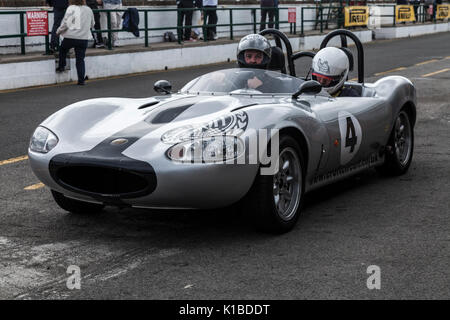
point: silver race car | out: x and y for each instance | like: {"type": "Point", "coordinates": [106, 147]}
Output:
{"type": "Point", "coordinates": [216, 142]}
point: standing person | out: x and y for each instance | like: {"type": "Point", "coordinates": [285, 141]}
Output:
{"type": "Point", "coordinates": [211, 15]}
{"type": "Point", "coordinates": [116, 17]}
{"type": "Point", "coordinates": [93, 4]}
{"type": "Point", "coordinates": [264, 12]}
{"type": "Point", "coordinates": [59, 9]}
{"type": "Point", "coordinates": [76, 30]}
{"type": "Point", "coordinates": [185, 15]}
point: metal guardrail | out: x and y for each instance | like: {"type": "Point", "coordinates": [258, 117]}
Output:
{"type": "Point", "coordinates": [319, 21]}
{"type": "Point", "coordinates": [22, 35]}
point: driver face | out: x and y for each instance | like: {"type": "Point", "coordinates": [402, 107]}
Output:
{"type": "Point", "coordinates": [322, 79]}
{"type": "Point", "coordinates": [253, 56]}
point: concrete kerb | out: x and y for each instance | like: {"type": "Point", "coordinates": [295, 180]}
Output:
{"type": "Point", "coordinates": [37, 70]}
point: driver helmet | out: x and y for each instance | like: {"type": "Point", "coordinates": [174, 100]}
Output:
{"type": "Point", "coordinates": [254, 42]}
{"type": "Point", "coordinates": [330, 68]}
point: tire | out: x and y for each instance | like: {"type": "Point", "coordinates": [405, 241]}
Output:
{"type": "Point", "coordinates": [399, 151]}
{"type": "Point", "coordinates": [269, 194]}
{"type": "Point", "coordinates": [76, 206]}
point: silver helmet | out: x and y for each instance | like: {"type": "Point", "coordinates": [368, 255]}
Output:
{"type": "Point", "coordinates": [330, 67]}
{"type": "Point", "coordinates": [254, 42]}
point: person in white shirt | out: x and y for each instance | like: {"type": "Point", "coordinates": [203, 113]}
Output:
{"type": "Point", "coordinates": [76, 30]}
{"type": "Point", "coordinates": [116, 17]}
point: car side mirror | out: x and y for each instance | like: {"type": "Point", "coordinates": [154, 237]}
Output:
{"type": "Point", "coordinates": [163, 86]}
{"type": "Point", "coordinates": [308, 87]}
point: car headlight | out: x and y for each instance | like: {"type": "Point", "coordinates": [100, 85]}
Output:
{"type": "Point", "coordinates": [206, 150]}
{"type": "Point", "coordinates": [43, 140]}
{"type": "Point", "coordinates": [233, 124]}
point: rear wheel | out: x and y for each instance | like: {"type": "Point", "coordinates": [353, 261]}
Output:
{"type": "Point", "coordinates": [76, 206]}
{"type": "Point", "coordinates": [274, 201]}
{"type": "Point", "coordinates": [400, 146]}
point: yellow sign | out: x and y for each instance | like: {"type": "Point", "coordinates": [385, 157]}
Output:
{"type": "Point", "coordinates": [356, 16]}
{"type": "Point", "coordinates": [404, 13]}
{"type": "Point", "coordinates": [442, 11]}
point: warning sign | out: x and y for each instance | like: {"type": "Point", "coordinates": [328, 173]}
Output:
{"type": "Point", "coordinates": [442, 11]}
{"type": "Point", "coordinates": [404, 13]}
{"type": "Point", "coordinates": [37, 23]}
{"type": "Point", "coordinates": [292, 15]}
{"type": "Point", "coordinates": [356, 16]}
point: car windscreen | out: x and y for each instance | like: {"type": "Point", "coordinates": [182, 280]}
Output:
{"type": "Point", "coordinates": [243, 81]}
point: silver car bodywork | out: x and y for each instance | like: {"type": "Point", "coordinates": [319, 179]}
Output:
{"type": "Point", "coordinates": [122, 135]}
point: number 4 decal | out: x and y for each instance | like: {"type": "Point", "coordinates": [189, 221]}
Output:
{"type": "Point", "coordinates": [350, 141]}
{"type": "Point", "coordinates": [351, 134]}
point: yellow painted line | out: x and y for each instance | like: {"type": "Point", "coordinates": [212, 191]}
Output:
{"type": "Point", "coordinates": [389, 71]}
{"type": "Point", "coordinates": [436, 72]}
{"type": "Point", "coordinates": [13, 160]}
{"type": "Point", "coordinates": [35, 186]}
{"type": "Point", "coordinates": [426, 62]}
{"type": "Point", "coordinates": [353, 79]}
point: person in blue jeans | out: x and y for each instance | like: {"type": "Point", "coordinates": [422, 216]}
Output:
{"type": "Point", "coordinates": [59, 9]}
{"type": "Point", "coordinates": [76, 30]}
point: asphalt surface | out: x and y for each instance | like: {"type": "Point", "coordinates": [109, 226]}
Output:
{"type": "Point", "coordinates": [401, 224]}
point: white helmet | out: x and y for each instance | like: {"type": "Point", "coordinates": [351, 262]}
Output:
{"type": "Point", "coordinates": [330, 67]}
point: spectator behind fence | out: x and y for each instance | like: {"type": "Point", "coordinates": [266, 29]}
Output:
{"type": "Point", "coordinates": [415, 4]}
{"type": "Point", "coordinates": [76, 30]}
{"type": "Point", "coordinates": [267, 12]}
{"type": "Point", "coordinates": [211, 15]}
{"type": "Point", "coordinates": [98, 39]}
{"type": "Point", "coordinates": [59, 9]}
{"type": "Point", "coordinates": [185, 15]}
{"type": "Point", "coordinates": [116, 18]}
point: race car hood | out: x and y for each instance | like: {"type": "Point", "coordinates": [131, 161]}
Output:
{"type": "Point", "coordinates": [83, 125]}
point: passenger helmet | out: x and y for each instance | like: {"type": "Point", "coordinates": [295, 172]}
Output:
{"type": "Point", "coordinates": [330, 67]}
{"type": "Point", "coordinates": [254, 42]}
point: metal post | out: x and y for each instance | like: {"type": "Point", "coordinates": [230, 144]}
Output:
{"type": "Point", "coordinates": [231, 24]}
{"type": "Point", "coordinates": [277, 18]}
{"type": "Point", "coordinates": [179, 25]}
{"type": "Point", "coordinates": [146, 28]}
{"type": "Point", "coordinates": [22, 31]}
{"type": "Point", "coordinates": [394, 16]}
{"type": "Point", "coordinates": [301, 27]}
{"type": "Point", "coordinates": [254, 20]}
{"type": "Point", "coordinates": [47, 45]}
{"type": "Point", "coordinates": [204, 28]}
{"type": "Point", "coordinates": [108, 20]}
{"type": "Point", "coordinates": [295, 27]}
{"type": "Point", "coordinates": [321, 19]}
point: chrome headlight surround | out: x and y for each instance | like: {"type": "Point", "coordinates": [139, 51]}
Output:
{"type": "Point", "coordinates": [43, 140]}
{"type": "Point", "coordinates": [232, 124]}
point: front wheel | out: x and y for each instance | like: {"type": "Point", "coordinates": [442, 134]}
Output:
{"type": "Point", "coordinates": [400, 147]}
{"type": "Point", "coordinates": [76, 206]}
{"type": "Point", "coordinates": [274, 201]}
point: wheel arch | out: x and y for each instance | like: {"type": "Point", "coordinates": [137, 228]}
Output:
{"type": "Point", "coordinates": [300, 138]}
{"type": "Point", "coordinates": [410, 108]}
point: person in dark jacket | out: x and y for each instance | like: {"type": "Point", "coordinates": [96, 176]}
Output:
{"type": "Point", "coordinates": [267, 12]}
{"type": "Point", "coordinates": [59, 9]}
{"type": "Point", "coordinates": [185, 15]}
{"type": "Point", "coordinates": [93, 4]}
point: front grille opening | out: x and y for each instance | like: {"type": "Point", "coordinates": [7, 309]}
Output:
{"type": "Point", "coordinates": [102, 180]}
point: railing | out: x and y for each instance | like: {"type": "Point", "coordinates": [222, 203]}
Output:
{"type": "Point", "coordinates": [255, 23]}
{"type": "Point", "coordinates": [319, 20]}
